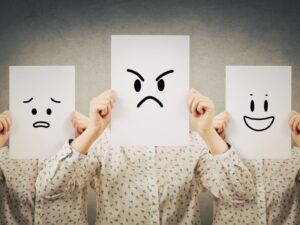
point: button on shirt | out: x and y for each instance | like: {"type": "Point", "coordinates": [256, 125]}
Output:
{"type": "Point", "coordinates": [20, 205]}
{"type": "Point", "coordinates": [276, 201]}
{"type": "Point", "coordinates": [148, 185]}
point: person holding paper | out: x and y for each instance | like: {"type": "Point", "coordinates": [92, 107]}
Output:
{"type": "Point", "coordinates": [148, 185]}
{"type": "Point", "coordinates": [20, 205]}
{"type": "Point", "coordinates": [276, 182]}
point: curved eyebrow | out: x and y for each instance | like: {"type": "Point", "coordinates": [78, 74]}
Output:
{"type": "Point", "coordinates": [135, 73]}
{"type": "Point", "coordinates": [164, 74]}
{"type": "Point", "coordinates": [56, 101]}
{"type": "Point", "coordinates": [29, 100]}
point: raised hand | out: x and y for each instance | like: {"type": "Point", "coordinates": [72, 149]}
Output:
{"type": "Point", "coordinates": [5, 125]}
{"type": "Point", "coordinates": [220, 123]}
{"type": "Point", "coordinates": [294, 123]}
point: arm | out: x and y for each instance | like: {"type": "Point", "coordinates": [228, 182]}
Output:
{"type": "Point", "coordinates": [67, 172]}
{"type": "Point", "coordinates": [5, 124]}
{"type": "Point", "coordinates": [294, 123]}
{"type": "Point", "coordinates": [71, 168]}
{"type": "Point", "coordinates": [221, 172]}
{"type": "Point", "coordinates": [225, 176]}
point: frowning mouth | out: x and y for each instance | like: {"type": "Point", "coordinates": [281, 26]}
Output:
{"type": "Point", "coordinates": [150, 97]}
{"type": "Point", "coordinates": [259, 124]}
{"type": "Point", "coordinates": [42, 124]}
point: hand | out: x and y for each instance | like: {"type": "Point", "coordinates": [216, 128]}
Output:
{"type": "Point", "coordinates": [220, 123]}
{"type": "Point", "coordinates": [100, 110]}
{"type": "Point", "coordinates": [201, 110]}
{"type": "Point", "coordinates": [5, 125]}
{"type": "Point", "coordinates": [80, 123]}
{"type": "Point", "coordinates": [100, 114]}
{"type": "Point", "coordinates": [294, 123]}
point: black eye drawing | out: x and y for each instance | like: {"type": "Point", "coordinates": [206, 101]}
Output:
{"type": "Point", "coordinates": [161, 85]}
{"type": "Point", "coordinates": [49, 111]}
{"type": "Point", "coordinates": [266, 105]}
{"type": "Point", "coordinates": [34, 111]}
{"type": "Point", "coordinates": [252, 106]}
{"type": "Point", "coordinates": [137, 85]}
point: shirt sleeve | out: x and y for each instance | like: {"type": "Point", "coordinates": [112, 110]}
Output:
{"type": "Point", "coordinates": [225, 176]}
{"type": "Point", "coordinates": [67, 172]}
{"type": "Point", "coordinates": [296, 156]}
{"type": "Point", "coordinates": [3, 158]}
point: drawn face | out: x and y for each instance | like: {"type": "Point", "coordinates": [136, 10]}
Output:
{"type": "Point", "coordinates": [42, 99]}
{"type": "Point", "coordinates": [34, 112]}
{"type": "Point", "coordinates": [160, 86]}
{"type": "Point", "coordinates": [259, 123]}
{"type": "Point", "coordinates": [150, 77]}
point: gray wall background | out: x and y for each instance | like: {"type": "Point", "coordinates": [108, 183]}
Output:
{"type": "Point", "coordinates": [39, 32]}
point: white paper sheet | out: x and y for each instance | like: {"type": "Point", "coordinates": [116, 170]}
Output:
{"type": "Point", "coordinates": [42, 99]}
{"type": "Point", "coordinates": [136, 65]}
{"type": "Point", "coordinates": [258, 99]}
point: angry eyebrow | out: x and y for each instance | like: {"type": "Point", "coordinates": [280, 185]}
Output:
{"type": "Point", "coordinates": [56, 101]}
{"type": "Point", "coordinates": [136, 73]}
{"type": "Point", "coordinates": [27, 101]}
{"type": "Point", "coordinates": [164, 74]}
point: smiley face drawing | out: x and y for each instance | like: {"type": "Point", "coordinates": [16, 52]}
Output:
{"type": "Point", "coordinates": [160, 86]}
{"type": "Point", "coordinates": [41, 124]}
{"type": "Point", "coordinates": [261, 123]}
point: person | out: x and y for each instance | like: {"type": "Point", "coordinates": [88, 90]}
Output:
{"type": "Point", "coordinates": [276, 182]}
{"type": "Point", "coordinates": [148, 185]}
{"type": "Point", "coordinates": [20, 204]}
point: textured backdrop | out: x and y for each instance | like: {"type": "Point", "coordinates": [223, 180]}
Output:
{"type": "Point", "coordinates": [39, 32]}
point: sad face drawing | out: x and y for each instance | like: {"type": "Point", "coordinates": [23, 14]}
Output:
{"type": "Point", "coordinates": [34, 112]}
{"type": "Point", "coordinates": [42, 99]}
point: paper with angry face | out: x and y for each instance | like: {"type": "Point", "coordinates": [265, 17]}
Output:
{"type": "Point", "coordinates": [150, 75]}
{"type": "Point", "coordinates": [42, 99]}
{"type": "Point", "coordinates": [258, 99]}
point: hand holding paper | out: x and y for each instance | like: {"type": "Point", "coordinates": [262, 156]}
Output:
{"type": "Point", "coordinates": [294, 123]}
{"type": "Point", "coordinates": [100, 110]}
{"type": "Point", "coordinates": [220, 123]}
{"type": "Point", "coordinates": [100, 115]}
{"type": "Point", "coordinates": [80, 123]}
{"type": "Point", "coordinates": [201, 110]}
{"type": "Point", "coordinates": [5, 124]}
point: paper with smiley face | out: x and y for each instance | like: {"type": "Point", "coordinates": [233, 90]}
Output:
{"type": "Point", "coordinates": [150, 74]}
{"type": "Point", "coordinates": [42, 99]}
{"type": "Point", "coordinates": [258, 99]}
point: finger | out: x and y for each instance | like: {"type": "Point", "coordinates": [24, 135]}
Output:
{"type": "Point", "coordinates": [203, 107]}
{"type": "Point", "coordinates": [194, 107]}
{"type": "Point", "coordinates": [295, 126]}
{"type": "Point", "coordinates": [291, 120]}
{"type": "Point", "coordinates": [8, 122]}
{"type": "Point", "coordinates": [189, 101]}
{"type": "Point", "coordinates": [4, 126]}
{"type": "Point", "coordinates": [1, 126]}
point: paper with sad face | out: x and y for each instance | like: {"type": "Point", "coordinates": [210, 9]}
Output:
{"type": "Point", "coordinates": [42, 99]}
{"type": "Point", "coordinates": [258, 99]}
{"type": "Point", "coordinates": [150, 75]}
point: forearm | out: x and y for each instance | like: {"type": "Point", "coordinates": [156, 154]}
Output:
{"type": "Point", "coordinates": [58, 173]}
{"type": "Point", "coordinates": [226, 177]}
{"type": "Point", "coordinates": [214, 142]}
{"type": "Point", "coordinates": [83, 142]}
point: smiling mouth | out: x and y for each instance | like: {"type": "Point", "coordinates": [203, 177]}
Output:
{"type": "Point", "coordinates": [259, 124]}
{"type": "Point", "coordinates": [43, 124]}
{"type": "Point", "coordinates": [150, 97]}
